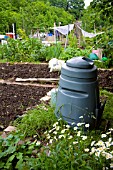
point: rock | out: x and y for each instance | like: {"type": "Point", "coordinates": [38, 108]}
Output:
{"type": "Point", "coordinates": [45, 98]}
{"type": "Point", "coordinates": [10, 129]}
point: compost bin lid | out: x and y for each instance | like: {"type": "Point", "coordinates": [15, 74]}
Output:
{"type": "Point", "coordinates": [80, 62]}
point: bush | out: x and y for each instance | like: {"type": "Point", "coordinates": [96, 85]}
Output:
{"type": "Point", "coordinates": [28, 50]}
{"type": "Point", "coordinates": [102, 64]}
{"type": "Point", "coordinates": [70, 52]}
{"type": "Point", "coordinates": [53, 51]}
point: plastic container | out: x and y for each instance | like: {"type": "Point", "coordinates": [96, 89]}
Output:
{"type": "Point", "coordinates": [78, 92]}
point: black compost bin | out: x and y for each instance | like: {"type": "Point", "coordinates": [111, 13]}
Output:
{"type": "Point", "coordinates": [78, 92]}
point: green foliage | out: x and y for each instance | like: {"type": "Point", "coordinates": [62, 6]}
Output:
{"type": "Point", "coordinates": [22, 33]}
{"type": "Point", "coordinates": [102, 64]}
{"type": "Point", "coordinates": [75, 7]}
{"type": "Point", "coordinates": [99, 15]}
{"type": "Point", "coordinates": [43, 16]}
{"type": "Point", "coordinates": [105, 41]}
{"type": "Point", "coordinates": [104, 7]}
{"type": "Point", "coordinates": [70, 52]}
{"type": "Point", "coordinates": [73, 149]}
{"type": "Point", "coordinates": [95, 24]}
{"type": "Point", "coordinates": [31, 14]}
{"type": "Point", "coordinates": [53, 51]}
{"type": "Point", "coordinates": [28, 50]}
{"type": "Point", "coordinates": [32, 50]}
{"type": "Point", "coordinates": [15, 152]}
{"type": "Point", "coordinates": [108, 109]}
{"type": "Point", "coordinates": [72, 40]}
{"type": "Point", "coordinates": [41, 117]}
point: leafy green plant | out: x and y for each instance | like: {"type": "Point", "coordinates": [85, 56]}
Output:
{"type": "Point", "coordinates": [102, 64]}
{"type": "Point", "coordinates": [53, 51]}
{"type": "Point", "coordinates": [108, 110]}
{"type": "Point", "coordinates": [15, 151]}
{"type": "Point", "coordinates": [62, 147]}
{"type": "Point", "coordinates": [35, 119]}
{"type": "Point", "coordinates": [72, 40]}
{"type": "Point", "coordinates": [73, 149]}
{"type": "Point", "coordinates": [70, 52]}
{"type": "Point", "coordinates": [3, 49]}
{"type": "Point", "coordinates": [28, 50]}
{"type": "Point", "coordinates": [105, 42]}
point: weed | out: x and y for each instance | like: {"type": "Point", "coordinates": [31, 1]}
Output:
{"type": "Point", "coordinates": [40, 117]}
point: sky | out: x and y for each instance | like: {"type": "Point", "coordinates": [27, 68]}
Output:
{"type": "Point", "coordinates": [87, 2]}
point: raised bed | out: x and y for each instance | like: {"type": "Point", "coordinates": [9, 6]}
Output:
{"type": "Point", "coordinates": [17, 97]}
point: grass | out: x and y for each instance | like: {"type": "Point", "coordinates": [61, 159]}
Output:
{"type": "Point", "coordinates": [3, 60]}
{"type": "Point", "coordinates": [42, 117]}
{"type": "Point", "coordinates": [108, 110]}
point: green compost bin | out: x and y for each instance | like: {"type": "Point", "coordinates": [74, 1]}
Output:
{"type": "Point", "coordinates": [78, 92]}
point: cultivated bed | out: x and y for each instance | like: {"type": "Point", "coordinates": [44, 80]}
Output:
{"type": "Point", "coordinates": [15, 97]}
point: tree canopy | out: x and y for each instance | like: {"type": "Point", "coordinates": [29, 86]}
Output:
{"type": "Point", "coordinates": [98, 15]}
{"type": "Point", "coordinates": [31, 14]}
{"type": "Point", "coordinates": [75, 7]}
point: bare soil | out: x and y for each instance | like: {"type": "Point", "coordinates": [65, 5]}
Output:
{"type": "Point", "coordinates": [105, 78]}
{"type": "Point", "coordinates": [16, 98]}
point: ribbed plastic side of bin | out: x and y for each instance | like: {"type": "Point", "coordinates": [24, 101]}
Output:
{"type": "Point", "coordinates": [78, 92]}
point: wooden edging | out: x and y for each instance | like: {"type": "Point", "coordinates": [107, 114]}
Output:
{"type": "Point", "coordinates": [37, 80]}
{"type": "Point", "coordinates": [26, 84]}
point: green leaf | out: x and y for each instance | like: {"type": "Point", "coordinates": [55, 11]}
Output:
{"type": "Point", "coordinates": [19, 164]}
{"type": "Point", "coordinates": [11, 158]}
{"type": "Point", "coordinates": [19, 155]}
{"type": "Point", "coordinates": [2, 165]}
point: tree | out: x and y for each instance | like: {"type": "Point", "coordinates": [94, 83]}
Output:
{"type": "Point", "coordinates": [75, 7]}
{"type": "Point", "coordinates": [30, 14]}
{"type": "Point", "coordinates": [105, 9]}
{"type": "Point", "coordinates": [99, 13]}
{"type": "Point", "coordinates": [42, 16]}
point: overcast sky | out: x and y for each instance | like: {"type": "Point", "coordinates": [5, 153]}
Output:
{"type": "Point", "coordinates": [87, 2]}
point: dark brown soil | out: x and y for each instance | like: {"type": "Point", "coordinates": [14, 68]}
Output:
{"type": "Point", "coordinates": [105, 78]}
{"type": "Point", "coordinates": [15, 99]}
{"type": "Point", "coordinates": [12, 71]}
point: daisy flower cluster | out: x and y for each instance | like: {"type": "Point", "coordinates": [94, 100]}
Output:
{"type": "Point", "coordinates": [77, 139]}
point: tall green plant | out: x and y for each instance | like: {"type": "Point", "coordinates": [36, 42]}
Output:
{"type": "Point", "coordinates": [54, 51]}
{"type": "Point", "coordinates": [27, 50]}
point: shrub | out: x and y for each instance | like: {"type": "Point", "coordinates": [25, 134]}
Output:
{"type": "Point", "coordinates": [102, 64]}
{"type": "Point", "coordinates": [28, 50]}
